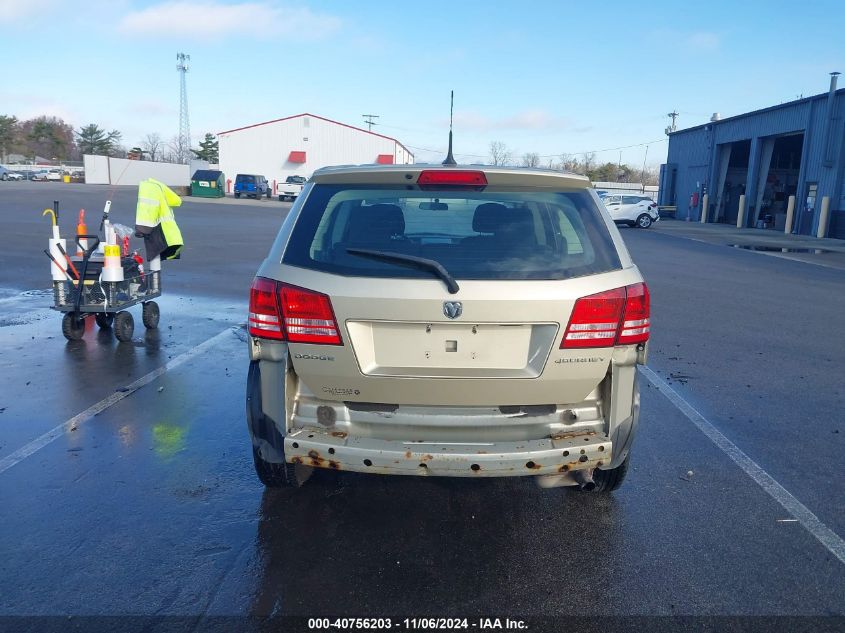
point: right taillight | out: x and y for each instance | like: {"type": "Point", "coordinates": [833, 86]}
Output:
{"type": "Point", "coordinates": [618, 316]}
{"type": "Point", "coordinates": [289, 313]}
{"type": "Point", "coordinates": [635, 320]}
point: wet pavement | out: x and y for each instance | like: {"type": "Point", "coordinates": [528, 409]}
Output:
{"type": "Point", "coordinates": [146, 504]}
{"type": "Point", "coordinates": [828, 252]}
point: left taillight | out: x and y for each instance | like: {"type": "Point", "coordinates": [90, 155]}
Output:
{"type": "Point", "coordinates": [265, 319]}
{"type": "Point", "coordinates": [288, 313]}
{"type": "Point", "coordinates": [308, 316]}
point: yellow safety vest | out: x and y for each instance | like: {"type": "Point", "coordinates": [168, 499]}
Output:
{"type": "Point", "coordinates": [154, 219]}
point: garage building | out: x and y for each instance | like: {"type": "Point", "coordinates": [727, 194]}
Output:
{"type": "Point", "coordinates": [300, 144]}
{"type": "Point", "coordinates": [796, 148]}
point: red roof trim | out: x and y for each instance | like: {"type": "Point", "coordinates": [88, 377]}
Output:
{"type": "Point", "coordinates": [322, 118]}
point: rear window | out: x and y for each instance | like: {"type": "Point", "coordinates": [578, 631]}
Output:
{"type": "Point", "coordinates": [245, 179]}
{"type": "Point", "coordinates": [489, 234]}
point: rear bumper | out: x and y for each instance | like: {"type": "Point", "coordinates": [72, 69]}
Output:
{"type": "Point", "coordinates": [336, 450]}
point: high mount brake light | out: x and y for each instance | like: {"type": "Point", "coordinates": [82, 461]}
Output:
{"type": "Point", "coordinates": [282, 312]}
{"type": "Point", "coordinates": [452, 178]}
{"type": "Point", "coordinates": [615, 317]}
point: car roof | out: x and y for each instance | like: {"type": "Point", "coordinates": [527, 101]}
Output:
{"type": "Point", "coordinates": [496, 176]}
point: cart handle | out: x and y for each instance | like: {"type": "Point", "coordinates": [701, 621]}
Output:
{"type": "Point", "coordinates": [88, 251]}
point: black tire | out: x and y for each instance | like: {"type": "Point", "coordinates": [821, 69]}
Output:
{"type": "Point", "coordinates": [237, 194]}
{"type": "Point", "coordinates": [644, 221]}
{"type": "Point", "coordinates": [104, 319]}
{"type": "Point", "coordinates": [610, 480]}
{"type": "Point", "coordinates": [71, 328]}
{"type": "Point", "coordinates": [150, 315]}
{"type": "Point", "coordinates": [124, 326]}
{"type": "Point", "coordinates": [273, 475]}
{"type": "Point", "coordinates": [281, 198]}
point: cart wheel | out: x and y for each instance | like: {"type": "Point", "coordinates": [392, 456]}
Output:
{"type": "Point", "coordinates": [124, 326]}
{"type": "Point", "coordinates": [150, 315]}
{"type": "Point", "coordinates": [104, 319]}
{"type": "Point", "coordinates": [71, 328]}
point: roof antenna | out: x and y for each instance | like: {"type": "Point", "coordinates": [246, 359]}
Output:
{"type": "Point", "coordinates": [450, 160]}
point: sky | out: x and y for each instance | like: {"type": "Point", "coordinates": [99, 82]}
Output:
{"type": "Point", "coordinates": [550, 77]}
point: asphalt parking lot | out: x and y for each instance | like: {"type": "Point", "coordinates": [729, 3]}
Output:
{"type": "Point", "coordinates": [127, 486]}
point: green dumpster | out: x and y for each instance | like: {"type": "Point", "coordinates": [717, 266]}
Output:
{"type": "Point", "coordinates": [208, 183]}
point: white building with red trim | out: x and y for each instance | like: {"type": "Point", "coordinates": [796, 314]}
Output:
{"type": "Point", "coordinates": [300, 144]}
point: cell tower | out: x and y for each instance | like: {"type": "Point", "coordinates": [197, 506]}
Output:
{"type": "Point", "coordinates": [184, 120]}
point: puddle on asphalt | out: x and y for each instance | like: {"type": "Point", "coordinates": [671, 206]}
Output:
{"type": "Point", "coordinates": [776, 249]}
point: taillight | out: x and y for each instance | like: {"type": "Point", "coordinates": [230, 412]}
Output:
{"type": "Point", "coordinates": [635, 320]}
{"type": "Point", "coordinates": [308, 316]}
{"type": "Point", "coordinates": [462, 178]}
{"type": "Point", "coordinates": [264, 316]}
{"type": "Point", "coordinates": [595, 320]}
{"type": "Point", "coordinates": [618, 316]}
{"type": "Point", "coordinates": [288, 313]}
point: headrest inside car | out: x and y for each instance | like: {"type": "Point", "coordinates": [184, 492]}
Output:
{"type": "Point", "coordinates": [492, 217]}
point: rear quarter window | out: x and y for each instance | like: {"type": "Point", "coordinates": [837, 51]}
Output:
{"type": "Point", "coordinates": [490, 234]}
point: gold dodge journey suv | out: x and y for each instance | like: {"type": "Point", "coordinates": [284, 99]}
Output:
{"type": "Point", "coordinates": [447, 321]}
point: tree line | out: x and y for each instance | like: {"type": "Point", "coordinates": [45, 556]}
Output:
{"type": "Point", "coordinates": [584, 164]}
{"type": "Point", "coordinates": [53, 139]}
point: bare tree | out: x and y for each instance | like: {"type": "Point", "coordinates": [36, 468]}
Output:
{"type": "Point", "coordinates": [531, 159]}
{"type": "Point", "coordinates": [499, 154]}
{"type": "Point", "coordinates": [153, 146]}
{"type": "Point", "coordinates": [650, 175]}
{"type": "Point", "coordinates": [589, 162]}
{"type": "Point", "coordinates": [569, 162]}
{"type": "Point", "coordinates": [179, 151]}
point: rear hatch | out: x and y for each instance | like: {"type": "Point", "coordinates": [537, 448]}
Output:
{"type": "Point", "coordinates": [448, 295]}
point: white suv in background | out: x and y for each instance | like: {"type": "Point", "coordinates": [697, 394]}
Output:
{"type": "Point", "coordinates": [633, 210]}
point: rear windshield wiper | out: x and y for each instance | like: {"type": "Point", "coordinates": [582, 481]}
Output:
{"type": "Point", "coordinates": [409, 260]}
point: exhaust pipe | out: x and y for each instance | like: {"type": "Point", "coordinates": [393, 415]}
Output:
{"type": "Point", "coordinates": [584, 479]}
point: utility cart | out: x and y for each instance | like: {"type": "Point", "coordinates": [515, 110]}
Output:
{"type": "Point", "coordinates": [108, 301]}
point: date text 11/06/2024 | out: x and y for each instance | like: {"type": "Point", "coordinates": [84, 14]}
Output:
{"type": "Point", "coordinates": [414, 624]}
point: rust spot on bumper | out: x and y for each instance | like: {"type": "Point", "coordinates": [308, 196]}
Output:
{"type": "Point", "coordinates": [317, 461]}
{"type": "Point", "coordinates": [341, 434]}
{"type": "Point", "coordinates": [569, 436]}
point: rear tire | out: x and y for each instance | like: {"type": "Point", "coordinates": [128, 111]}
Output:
{"type": "Point", "coordinates": [644, 221]}
{"type": "Point", "coordinates": [71, 328]}
{"type": "Point", "coordinates": [150, 315]}
{"type": "Point", "coordinates": [104, 319]}
{"type": "Point", "coordinates": [124, 326]}
{"type": "Point", "coordinates": [610, 480]}
{"type": "Point", "coordinates": [237, 194]}
{"type": "Point", "coordinates": [273, 475]}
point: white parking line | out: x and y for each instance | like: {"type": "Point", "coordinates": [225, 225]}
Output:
{"type": "Point", "coordinates": [827, 537]}
{"type": "Point", "coordinates": [71, 425]}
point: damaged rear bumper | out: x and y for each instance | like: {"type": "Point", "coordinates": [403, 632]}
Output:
{"type": "Point", "coordinates": [337, 450]}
